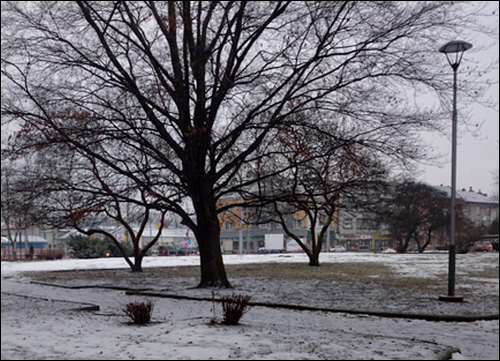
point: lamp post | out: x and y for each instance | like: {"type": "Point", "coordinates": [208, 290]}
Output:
{"type": "Point", "coordinates": [454, 51]}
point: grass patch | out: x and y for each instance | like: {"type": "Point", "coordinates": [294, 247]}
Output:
{"type": "Point", "coordinates": [355, 272]}
{"type": "Point", "coordinates": [351, 271]}
{"type": "Point", "coordinates": [490, 272]}
{"type": "Point", "coordinates": [99, 274]}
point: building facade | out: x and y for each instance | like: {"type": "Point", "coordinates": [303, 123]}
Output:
{"type": "Point", "coordinates": [240, 234]}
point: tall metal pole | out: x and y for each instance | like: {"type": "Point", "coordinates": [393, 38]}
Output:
{"type": "Point", "coordinates": [452, 250]}
{"type": "Point", "coordinates": [454, 51]}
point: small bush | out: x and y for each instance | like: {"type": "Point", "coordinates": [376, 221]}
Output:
{"type": "Point", "coordinates": [139, 312]}
{"type": "Point", "coordinates": [233, 308]}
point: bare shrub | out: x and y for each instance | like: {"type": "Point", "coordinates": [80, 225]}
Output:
{"type": "Point", "coordinates": [233, 308]}
{"type": "Point", "coordinates": [139, 312]}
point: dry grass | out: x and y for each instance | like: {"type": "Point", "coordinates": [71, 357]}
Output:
{"type": "Point", "coordinates": [356, 272]}
{"type": "Point", "coordinates": [341, 272]}
{"type": "Point", "coordinates": [491, 272]}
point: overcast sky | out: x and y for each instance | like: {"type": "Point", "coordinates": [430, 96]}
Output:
{"type": "Point", "coordinates": [477, 155]}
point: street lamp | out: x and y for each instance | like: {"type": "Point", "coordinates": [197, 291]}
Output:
{"type": "Point", "coordinates": [454, 51]}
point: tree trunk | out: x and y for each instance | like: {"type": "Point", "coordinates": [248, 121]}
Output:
{"type": "Point", "coordinates": [213, 273]}
{"type": "Point", "coordinates": [314, 260]}
{"type": "Point", "coordinates": [314, 254]}
{"type": "Point", "coordinates": [14, 254]}
{"type": "Point", "coordinates": [137, 266]}
{"type": "Point", "coordinates": [207, 232]}
{"type": "Point", "coordinates": [402, 246]}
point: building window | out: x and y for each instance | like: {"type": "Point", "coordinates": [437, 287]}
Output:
{"type": "Point", "coordinates": [348, 223]}
{"type": "Point", "coordinates": [298, 223]}
{"type": "Point", "coordinates": [228, 225]}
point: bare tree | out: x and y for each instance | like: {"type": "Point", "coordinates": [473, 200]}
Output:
{"type": "Point", "coordinates": [10, 213]}
{"type": "Point", "coordinates": [329, 168]}
{"type": "Point", "coordinates": [410, 208]}
{"type": "Point", "coordinates": [18, 205]}
{"type": "Point", "coordinates": [436, 215]}
{"type": "Point", "coordinates": [75, 191]}
{"type": "Point", "coordinates": [200, 88]}
{"type": "Point", "coordinates": [468, 233]}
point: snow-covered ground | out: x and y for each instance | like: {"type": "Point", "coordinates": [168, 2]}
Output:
{"type": "Point", "coordinates": [41, 321]}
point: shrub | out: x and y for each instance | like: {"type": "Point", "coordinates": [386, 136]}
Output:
{"type": "Point", "coordinates": [139, 312]}
{"type": "Point", "coordinates": [233, 308]}
{"type": "Point", "coordinates": [88, 247]}
{"type": "Point", "coordinates": [84, 247]}
{"type": "Point", "coordinates": [111, 249]}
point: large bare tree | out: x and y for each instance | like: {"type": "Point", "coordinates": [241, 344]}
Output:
{"type": "Point", "coordinates": [200, 88]}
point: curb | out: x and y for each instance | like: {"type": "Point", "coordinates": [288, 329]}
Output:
{"type": "Point", "coordinates": [415, 316]}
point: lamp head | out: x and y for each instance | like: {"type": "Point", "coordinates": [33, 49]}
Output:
{"type": "Point", "coordinates": [457, 47]}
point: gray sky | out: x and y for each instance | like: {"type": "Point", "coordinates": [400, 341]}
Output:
{"type": "Point", "coordinates": [477, 155]}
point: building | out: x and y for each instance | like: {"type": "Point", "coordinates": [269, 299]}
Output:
{"type": "Point", "coordinates": [353, 229]}
{"type": "Point", "coordinates": [478, 207]}
{"type": "Point", "coordinates": [240, 236]}
{"type": "Point", "coordinates": [357, 231]}
{"type": "Point", "coordinates": [22, 245]}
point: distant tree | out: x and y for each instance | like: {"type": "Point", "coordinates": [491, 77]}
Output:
{"type": "Point", "coordinates": [436, 215]}
{"type": "Point", "coordinates": [494, 228]}
{"type": "Point", "coordinates": [411, 207]}
{"type": "Point", "coordinates": [79, 194]}
{"type": "Point", "coordinates": [18, 211]}
{"type": "Point", "coordinates": [467, 233]}
{"type": "Point", "coordinates": [120, 212]}
{"type": "Point", "coordinates": [328, 169]}
{"type": "Point", "coordinates": [200, 89]}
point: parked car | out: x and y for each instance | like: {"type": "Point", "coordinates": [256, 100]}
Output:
{"type": "Point", "coordinates": [338, 249]}
{"type": "Point", "coordinates": [364, 248]}
{"type": "Point", "coordinates": [167, 251]}
{"type": "Point", "coordinates": [482, 246]}
{"type": "Point", "coordinates": [264, 250]}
